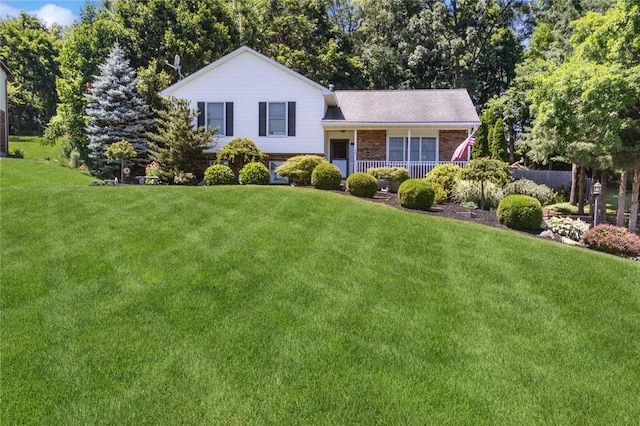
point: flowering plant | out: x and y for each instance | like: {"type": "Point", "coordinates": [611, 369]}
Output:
{"type": "Point", "coordinates": [613, 239]}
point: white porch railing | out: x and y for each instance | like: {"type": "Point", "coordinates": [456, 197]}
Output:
{"type": "Point", "coordinates": [417, 169]}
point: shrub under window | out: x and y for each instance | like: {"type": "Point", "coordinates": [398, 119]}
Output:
{"type": "Point", "coordinates": [299, 168]}
{"type": "Point", "coordinates": [326, 176]}
{"type": "Point", "coordinates": [362, 185]}
{"type": "Point", "coordinates": [254, 174]}
{"type": "Point", "coordinates": [219, 174]}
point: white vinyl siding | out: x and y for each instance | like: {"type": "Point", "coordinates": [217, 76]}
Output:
{"type": "Point", "coordinates": [247, 80]}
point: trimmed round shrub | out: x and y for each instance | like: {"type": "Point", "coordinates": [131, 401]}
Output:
{"type": "Point", "coordinates": [469, 191]}
{"type": "Point", "coordinates": [445, 175]}
{"type": "Point", "coordinates": [362, 185]}
{"type": "Point", "coordinates": [395, 174]}
{"type": "Point", "coordinates": [219, 174]}
{"type": "Point", "coordinates": [326, 176]}
{"type": "Point", "coordinates": [520, 212]}
{"type": "Point", "coordinates": [254, 174]}
{"type": "Point", "coordinates": [416, 194]}
{"type": "Point", "coordinates": [542, 193]}
{"type": "Point", "coordinates": [299, 168]}
{"type": "Point", "coordinates": [613, 239]}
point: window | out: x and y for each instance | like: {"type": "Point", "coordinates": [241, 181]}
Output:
{"type": "Point", "coordinates": [420, 149]}
{"type": "Point", "coordinates": [215, 116]}
{"type": "Point", "coordinates": [277, 118]}
{"type": "Point", "coordinates": [276, 178]}
{"type": "Point", "coordinates": [396, 149]}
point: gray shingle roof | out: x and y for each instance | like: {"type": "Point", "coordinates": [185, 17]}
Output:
{"type": "Point", "coordinates": [403, 106]}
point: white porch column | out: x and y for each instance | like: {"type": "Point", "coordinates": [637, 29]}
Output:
{"type": "Point", "coordinates": [409, 151]}
{"type": "Point", "coordinates": [355, 150]}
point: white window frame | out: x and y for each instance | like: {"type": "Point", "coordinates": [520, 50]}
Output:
{"type": "Point", "coordinates": [286, 120]}
{"type": "Point", "coordinates": [273, 176]}
{"type": "Point", "coordinates": [221, 130]}
{"type": "Point", "coordinates": [404, 141]}
{"type": "Point", "coordinates": [406, 148]}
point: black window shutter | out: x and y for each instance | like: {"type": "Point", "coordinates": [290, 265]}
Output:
{"type": "Point", "coordinates": [228, 119]}
{"type": "Point", "coordinates": [291, 112]}
{"type": "Point", "coordinates": [201, 115]}
{"type": "Point", "coordinates": [262, 119]}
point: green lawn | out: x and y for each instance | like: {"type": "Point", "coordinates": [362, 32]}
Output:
{"type": "Point", "coordinates": [33, 148]}
{"type": "Point", "coordinates": [279, 305]}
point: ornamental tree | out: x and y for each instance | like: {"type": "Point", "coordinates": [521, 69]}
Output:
{"type": "Point", "coordinates": [120, 151]}
{"type": "Point", "coordinates": [115, 112]}
{"type": "Point", "coordinates": [486, 170]}
{"type": "Point", "coordinates": [238, 153]}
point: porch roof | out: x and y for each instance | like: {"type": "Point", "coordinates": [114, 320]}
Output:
{"type": "Point", "coordinates": [401, 107]}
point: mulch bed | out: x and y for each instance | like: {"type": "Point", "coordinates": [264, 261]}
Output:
{"type": "Point", "coordinates": [453, 211]}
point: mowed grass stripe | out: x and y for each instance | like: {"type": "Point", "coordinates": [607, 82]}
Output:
{"type": "Point", "coordinates": [147, 305]}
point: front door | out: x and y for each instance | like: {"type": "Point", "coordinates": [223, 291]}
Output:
{"type": "Point", "coordinates": [340, 154]}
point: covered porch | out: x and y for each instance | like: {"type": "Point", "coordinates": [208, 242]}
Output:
{"type": "Point", "coordinates": [417, 169]}
{"type": "Point", "coordinates": [418, 150]}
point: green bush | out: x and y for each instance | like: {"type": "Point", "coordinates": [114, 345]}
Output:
{"type": "Point", "coordinates": [326, 176]}
{"type": "Point", "coordinates": [469, 191]}
{"type": "Point", "coordinates": [299, 168]}
{"type": "Point", "coordinates": [613, 239]}
{"type": "Point", "coordinates": [75, 159]}
{"type": "Point", "coordinates": [520, 212]}
{"type": "Point", "coordinates": [393, 174]}
{"type": "Point", "coordinates": [362, 185]}
{"type": "Point", "coordinates": [567, 227]}
{"type": "Point", "coordinates": [487, 170]}
{"type": "Point", "coordinates": [542, 193]}
{"type": "Point", "coordinates": [416, 194]}
{"type": "Point", "coordinates": [254, 174]}
{"type": "Point", "coordinates": [184, 178]}
{"type": "Point", "coordinates": [239, 152]}
{"type": "Point", "coordinates": [446, 176]}
{"type": "Point", "coordinates": [219, 174]}
{"type": "Point", "coordinates": [441, 194]}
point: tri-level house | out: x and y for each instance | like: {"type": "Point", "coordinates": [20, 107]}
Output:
{"type": "Point", "coordinates": [246, 94]}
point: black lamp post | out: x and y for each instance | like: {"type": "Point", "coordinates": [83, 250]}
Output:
{"type": "Point", "coordinates": [597, 189]}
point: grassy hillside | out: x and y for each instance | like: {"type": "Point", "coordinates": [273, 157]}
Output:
{"type": "Point", "coordinates": [254, 305]}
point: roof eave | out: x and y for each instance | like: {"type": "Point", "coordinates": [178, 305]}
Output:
{"type": "Point", "coordinates": [6, 70]}
{"type": "Point", "coordinates": [169, 90]}
{"type": "Point", "coordinates": [344, 123]}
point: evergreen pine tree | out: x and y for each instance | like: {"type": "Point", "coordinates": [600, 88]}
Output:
{"type": "Point", "coordinates": [176, 145]}
{"type": "Point", "coordinates": [116, 113]}
{"type": "Point", "coordinates": [481, 145]}
{"type": "Point", "coordinates": [498, 142]}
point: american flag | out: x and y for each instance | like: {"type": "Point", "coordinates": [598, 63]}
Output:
{"type": "Point", "coordinates": [462, 148]}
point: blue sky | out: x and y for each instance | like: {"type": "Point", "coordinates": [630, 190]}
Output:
{"type": "Point", "coordinates": [63, 12]}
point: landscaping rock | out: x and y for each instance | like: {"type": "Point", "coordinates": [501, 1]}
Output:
{"type": "Point", "coordinates": [548, 235]}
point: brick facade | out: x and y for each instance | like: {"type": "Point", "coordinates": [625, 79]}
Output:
{"type": "Point", "coordinates": [372, 145]}
{"type": "Point", "coordinates": [449, 141]}
{"type": "Point", "coordinates": [4, 149]}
